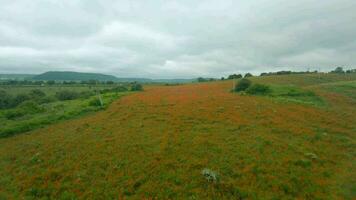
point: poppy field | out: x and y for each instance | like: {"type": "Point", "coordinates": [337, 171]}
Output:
{"type": "Point", "coordinates": [195, 141]}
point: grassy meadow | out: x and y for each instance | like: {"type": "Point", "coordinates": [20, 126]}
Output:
{"type": "Point", "coordinates": [194, 141]}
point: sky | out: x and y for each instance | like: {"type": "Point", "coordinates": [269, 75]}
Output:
{"type": "Point", "coordinates": [176, 39]}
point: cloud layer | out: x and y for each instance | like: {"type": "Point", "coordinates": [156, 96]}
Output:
{"type": "Point", "coordinates": [176, 39]}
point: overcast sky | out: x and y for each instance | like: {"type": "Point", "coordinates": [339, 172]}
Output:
{"type": "Point", "coordinates": [176, 39]}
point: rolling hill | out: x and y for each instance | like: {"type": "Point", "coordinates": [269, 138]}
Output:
{"type": "Point", "coordinates": [73, 76]}
{"type": "Point", "coordinates": [16, 76]}
{"type": "Point", "coordinates": [79, 76]}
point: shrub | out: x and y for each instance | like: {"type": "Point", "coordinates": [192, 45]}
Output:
{"type": "Point", "coordinates": [13, 114]}
{"type": "Point", "coordinates": [30, 107]}
{"type": "Point", "coordinates": [234, 76]}
{"type": "Point", "coordinates": [248, 75]}
{"type": "Point", "coordinates": [258, 89]}
{"type": "Point", "coordinates": [5, 100]}
{"type": "Point", "coordinates": [66, 95]}
{"type": "Point", "coordinates": [95, 102]}
{"type": "Point", "coordinates": [115, 89]}
{"type": "Point", "coordinates": [120, 89]}
{"type": "Point", "coordinates": [242, 85]}
{"type": "Point", "coordinates": [85, 94]}
{"type": "Point", "coordinates": [47, 99]}
{"type": "Point", "coordinates": [136, 87]}
{"type": "Point", "coordinates": [19, 99]}
{"type": "Point", "coordinates": [37, 93]}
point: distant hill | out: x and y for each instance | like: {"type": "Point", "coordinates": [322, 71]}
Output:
{"type": "Point", "coordinates": [16, 76]}
{"type": "Point", "coordinates": [79, 76]}
{"type": "Point", "coordinates": [73, 76]}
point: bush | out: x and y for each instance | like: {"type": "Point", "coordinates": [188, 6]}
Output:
{"type": "Point", "coordinates": [115, 89]}
{"type": "Point", "coordinates": [36, 93]}
{"type": "Point", "coordinates": [258, 89]}
{"type": "Point", "coordinates": [5, 100]}
{"type": "Point", "coordinates": [136, 87]}
{"type": "Point", "coordinates": [242, 85]}
{"type": "Point", "coordinates": [66, 95]}
{"type": "Point", "coordinates": [30, 107]}
{"type": "Point", "coordinates": [19, 99]}
{"type": "Point", "coordinates": [248, 75]}
{"type": "Point", "coordinates": [13, 114]}
{"type": "Point", "coordinates": [95, 102]}
{"type": "Point", "coordinates": [27, 107]}
{"type": "Point", "coordinates": [120, 89]}
{"type": "Point", "coordinates": [86, 94]}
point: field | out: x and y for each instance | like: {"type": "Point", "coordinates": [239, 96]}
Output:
{"type": "Point", "coordinates": [296, 143]}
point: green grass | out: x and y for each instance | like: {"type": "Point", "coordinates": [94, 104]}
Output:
{"type": "Point", "coordinates": [50, 90]}
{"type": "Point", "coordinates": [346, 88]}
{"type": "Point", "coordinates": [303, 79]}
{"type": "Point", "coordinates": [289, 93]}
{"type": "Point", "coordinates": [50, 113]}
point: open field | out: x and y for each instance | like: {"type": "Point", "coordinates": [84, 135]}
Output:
{"type": "Point", "coordinates": [155, 144]}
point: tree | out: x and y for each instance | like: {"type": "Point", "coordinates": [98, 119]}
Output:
{"type": "Point", "coordinates": [234, 76]}
{"type": "Point", "coordinates": [51, 82]}
{"type": "Point", "coordinates": [248, 75]}
{"type": "Point", "coordinates": [37, 93]}
{"type": "Point", "coordinates": [19, 99]}
{"type": "Point", "coordinates": [242, 85]}
{"type": "Point", "coordinates": [136, 87]}
{"type": "Point", "coordinates": [5, 100]}
{"type": "Point", "coordinates": [338, 70]}
{"type": "Point", "coordinates": [258, 89]}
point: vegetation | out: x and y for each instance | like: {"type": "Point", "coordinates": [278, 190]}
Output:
{"type": "Point", "coordinates": [258, 89]}
{"type": "Point", "coordinates": [73, 76]}
{"type": "Point", "coordinates": [242, 85]}
{"type": "Point", "coordinates": [234, 76]}
{"type": "Point", "coordinates": [136, 87]}
{"type": "Point", "coordinates": [192, 141]}
{"type": "Point", "coordinates": [25, 108]}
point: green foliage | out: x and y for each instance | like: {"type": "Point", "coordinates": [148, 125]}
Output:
{"type": "Point", "coordinates": [66, 95]}
{"type": "Point", "coordinates": [37, 93]}
{"type": "Point", "coordinates": [242, 85]}
{"type": "Point", "coordinates": [5, 100]}
{"type": "Point", "coordinates": [30, 115]}
{"type": "Point", "coordinates": [234, 76]}
{"type": "Point", "coordinates": [13, 114]}
{"type": "Point", "coordinates": [115, 89]}
{"type": "Point", "coordinates": [258, 89]}
{"type": "Point", "coordinates": [248, 75]}
{"type": "Point", "coordinates": [136, 87]}
{"type": "Point", "coordinates": [95, 102]}
{"type": "Point", "coordinates": [25, 108]}
{"type": "Point", "coordinates": [30, 107]}
{"type": "Point", "coordinates": [19, 99]}
{"type": "Point", "coordinates": [338, 70]}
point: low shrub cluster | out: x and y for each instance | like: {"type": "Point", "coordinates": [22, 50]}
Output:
{"type": "Point", "coordinates": [258, 89]}
{"type": "Point", "coordinates": [245, 85]}
{"type": "Point", "coordinates": [242, 85]}
{"type": "Point", "coordinates": [12, 101]}
{"type": "Point", "coordinates": [136, 87]}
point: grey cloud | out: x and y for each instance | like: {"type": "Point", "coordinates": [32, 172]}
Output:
{"type": "Point", "coordinates": [176, 39]}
